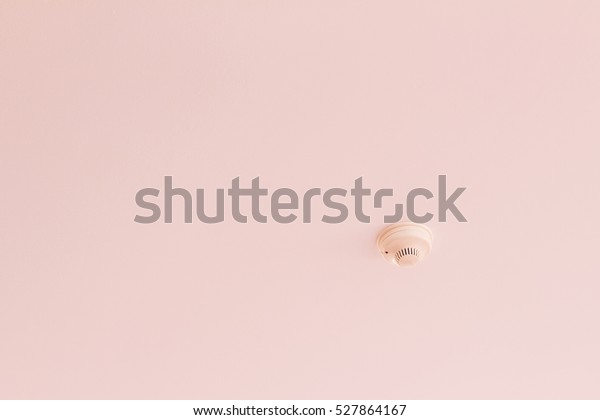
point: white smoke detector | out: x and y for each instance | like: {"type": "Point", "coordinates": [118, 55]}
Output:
{"type": "Point", "coordinates": [405, 243]}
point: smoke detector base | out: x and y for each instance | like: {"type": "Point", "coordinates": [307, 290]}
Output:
{"type": "Point", "coordinates": [405, 243]}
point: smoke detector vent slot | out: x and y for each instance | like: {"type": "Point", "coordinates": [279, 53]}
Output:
{"type": "Point", "coordinates": [406, 251]}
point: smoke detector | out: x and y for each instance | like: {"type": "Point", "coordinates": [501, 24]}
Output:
{"type": "Point", "coordinates": [404, 243]}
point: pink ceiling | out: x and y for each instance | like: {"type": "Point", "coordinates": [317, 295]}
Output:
{"type": "Point", "coordinates": [102, 99]}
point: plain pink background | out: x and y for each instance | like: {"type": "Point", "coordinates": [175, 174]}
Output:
{"type": "Point", "coordinates": [100, 99]}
